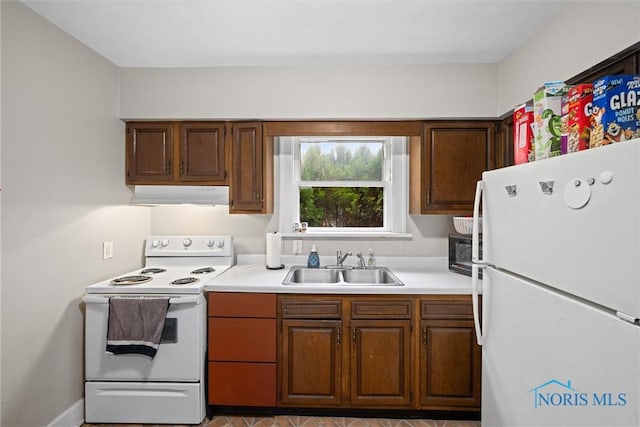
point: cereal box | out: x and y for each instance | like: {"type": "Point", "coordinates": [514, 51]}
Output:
{"type": "Point", "coordinates": [564, 123]}
{"type": "Point", "coordinates": [579, 106]}
{"type": "Point", "coordinates": [522, 133]}
{"type": "Point", "coordinates": [615, 115]}
{"type": "Point", "coordinates": [547, 104]}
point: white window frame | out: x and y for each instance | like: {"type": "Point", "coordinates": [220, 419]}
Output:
{"type": "Point", "coordinates": [395, 184]}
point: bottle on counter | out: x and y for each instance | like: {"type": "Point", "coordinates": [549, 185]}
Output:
{"type": "Point", "coordinates": [372, 259]}
{"type": "Point", "coordinates": [314, 260]}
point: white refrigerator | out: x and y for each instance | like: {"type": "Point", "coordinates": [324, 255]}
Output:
{"type": "Point", "coordinates": [558, 322]}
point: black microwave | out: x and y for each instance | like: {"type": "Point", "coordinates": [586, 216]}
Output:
{"type": "Point", "coordinates": [460, 254]}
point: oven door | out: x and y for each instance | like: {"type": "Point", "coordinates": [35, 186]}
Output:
{"type": "Point", "coordinates": [180, 356]}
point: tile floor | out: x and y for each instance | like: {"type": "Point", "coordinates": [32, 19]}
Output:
{"type": "Point", "coordinates": [301, 421]}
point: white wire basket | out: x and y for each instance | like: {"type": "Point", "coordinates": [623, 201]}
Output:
{"type": "Point", "coordinates": [464, 224]}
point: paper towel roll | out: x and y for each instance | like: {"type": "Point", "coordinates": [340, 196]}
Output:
{"type": "Point", "coordinates": [274, 249]}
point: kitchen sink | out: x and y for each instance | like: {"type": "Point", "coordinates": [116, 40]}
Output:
{"type": "Point", "coordinates": [378, 276]}
{"type": "Point", "coordinates": [312, 275]}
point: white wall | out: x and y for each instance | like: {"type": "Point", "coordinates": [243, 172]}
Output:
{"type": "Point", "coordinates": [63, 194]}
{"type": "Point", "coordinates": [325, 92]}
{"type": "Point", "coordinates": [580, 35]}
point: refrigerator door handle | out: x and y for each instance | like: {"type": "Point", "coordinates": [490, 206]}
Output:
{"type": "Point", "coordinates": [475, 303]}
{"type": "Point", "coordinates": [475, 232]}
{"type": "Point", "coordinates": [476, 263]}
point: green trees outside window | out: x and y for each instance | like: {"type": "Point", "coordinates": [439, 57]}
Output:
{"type": "Point", "coordinates": [329, 194]}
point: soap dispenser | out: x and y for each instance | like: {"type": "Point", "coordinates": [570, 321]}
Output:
{"type": "Point", "coordinates": [314, 260]}
{"type": "Point", "coordinates": [372, 259]}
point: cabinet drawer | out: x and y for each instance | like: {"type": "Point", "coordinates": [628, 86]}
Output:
{"type": "Point", "coordinates": [461, 309]}
{"type": "Point", "coordinates": [242, 384]}
{"type": "Point", "coordinates": [329, 309]}
{"type": "Point", "coordinates": [381, 309]}
{"type": "Point", "coordinates": [231, 304]}
{"type": "Point", "coordinates": [246, 340]}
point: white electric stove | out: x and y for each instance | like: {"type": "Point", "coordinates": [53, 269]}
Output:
{"type": "Point", "coordinates": [173, 265]}
{"type": "Point", "coordinates": [170, 387]}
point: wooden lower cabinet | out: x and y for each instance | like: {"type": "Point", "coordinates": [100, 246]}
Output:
{"type": "Point", "coordinates": [311, 363]}
{"type": "Point", "coordinates": [345, 351]}
{"type": "Point", "coordinates": [450, 358]}
{"type": "Point", "coordinates": [415, 352]}
{"type": "Point", "coordinates": [241, 349]}
{"type": "Point", "coordinates": [381, 363]}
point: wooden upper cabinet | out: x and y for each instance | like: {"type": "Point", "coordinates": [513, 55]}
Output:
{"type": "Point", "coordinates": [149, 148]}
{"type": "Point", "coordinates": [247, 169]}
{"type": "Point", "coordinates": [176, 153]}
{"type": "Point", "coordinates": [202, 152]}
{"type": "Point", "coordinates": [447, 163]}
{"type": "Point", "coordinates": [504, 143]}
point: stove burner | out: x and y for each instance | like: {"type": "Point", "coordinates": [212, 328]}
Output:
{"type": "Point", "coordinates": [203, 270]}
{"type": "Point", "coordinates": [130, 280]}
{"type": "Point", "coordinates": [185, 281]}
{"type": "Point", "coordinates": [153, 270]}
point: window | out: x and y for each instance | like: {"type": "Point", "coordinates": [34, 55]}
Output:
{"type": "Point", "coordinates": [343, 184]}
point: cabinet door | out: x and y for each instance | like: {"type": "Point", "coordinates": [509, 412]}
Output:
{"type": "Point", "coordinates": [202, 152]}
{"type": "Point", "coordinates": [242, 339]}
{"type": "Point", "coordinates": [454, 156]}
{"type": "Point", "coordinates": [242, 384]}
{"type": "Point", "coordinates": [450, 365]}
{"type": "Point", "coordinates": [149, 148]}
{"type": "Point", "coordinates": [247, 168]}
{"type": "Point", "coordinates": [310, 363]}
{"type": "Point", "coordinates": [381, 363]}
{"type": "Point", "coordinates": [504, 144]}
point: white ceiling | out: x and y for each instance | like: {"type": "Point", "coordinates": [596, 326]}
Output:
{"type": "Point", "coordinates": [199, 33]}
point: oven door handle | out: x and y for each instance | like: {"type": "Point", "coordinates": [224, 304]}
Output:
{"type": "Point", "coordinates": [104, 299]}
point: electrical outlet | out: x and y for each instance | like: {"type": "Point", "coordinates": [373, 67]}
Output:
{"type": "Point", "coordinates": [297, 247]}
{"type": "Point", "coordinates": [107, 250]}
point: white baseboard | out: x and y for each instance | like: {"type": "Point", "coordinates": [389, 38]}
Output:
{"type": "Point", "coordinates": [73, 416]}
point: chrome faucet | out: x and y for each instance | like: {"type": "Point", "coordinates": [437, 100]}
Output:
{"type": "Point", "coordinates": [340, 258]}
{"type": "Point", "coordinates": [361, 261]}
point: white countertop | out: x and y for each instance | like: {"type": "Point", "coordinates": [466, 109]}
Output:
{"type": "Point", "coordinates": [420, 275]}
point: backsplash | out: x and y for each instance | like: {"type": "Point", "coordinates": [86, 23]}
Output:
{"type": "Point", "coordinates": [430, 232]}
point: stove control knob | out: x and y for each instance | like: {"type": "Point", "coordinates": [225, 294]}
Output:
{"type": "Point", "coordinates": [219, 243]}
{"type": "Point", "coordinates": [186, 242]}
{"type": "Point", "coordinates": [155, 243]}
{"type": "Point", "coordinates": [211, 242]}
{"type": "Point", "coordinates": [165, 242]}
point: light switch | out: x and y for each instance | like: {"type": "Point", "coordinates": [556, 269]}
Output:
{"type": "Point", "coordinates": [107, 250]}
{"type": "Point", "coordinates": [297, 247]}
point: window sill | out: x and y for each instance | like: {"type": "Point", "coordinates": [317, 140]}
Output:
{"type": "Point", "coordinates": [342, 235]}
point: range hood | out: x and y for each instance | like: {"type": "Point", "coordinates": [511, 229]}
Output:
{"type": "Point", "coordinates": [153, 195]}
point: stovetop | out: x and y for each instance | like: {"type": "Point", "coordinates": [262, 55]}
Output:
{"type": "Point", "coordinates": [173, 265]}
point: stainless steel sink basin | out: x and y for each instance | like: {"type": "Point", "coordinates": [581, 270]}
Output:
{"type": "Point", "coordinates": [312, 275]}
{"type": "Point", "coordinates": [379, 276]}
